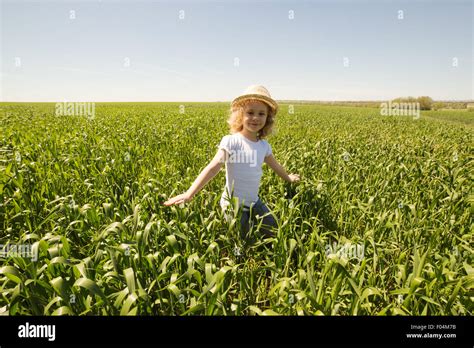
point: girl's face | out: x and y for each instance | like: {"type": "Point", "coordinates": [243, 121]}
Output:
{"type": "Point", "coordinates": [255, 116]}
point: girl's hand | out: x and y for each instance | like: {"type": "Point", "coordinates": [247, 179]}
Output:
{"type": "Point", "coordinates": [294, 177]}
{"type": "Point", "coordinates": [182, 198]}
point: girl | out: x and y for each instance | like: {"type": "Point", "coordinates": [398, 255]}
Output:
{"type": "Point", "coordinates": [244, 151]}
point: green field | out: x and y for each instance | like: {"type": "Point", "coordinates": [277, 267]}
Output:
{"type": "Point", "coordinates": [87, 194]}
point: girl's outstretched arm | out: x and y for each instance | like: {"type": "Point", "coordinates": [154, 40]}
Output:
{"type": "Point", "coordinates": [203, 178]}
{"type": "Point", "coordinates": [277, 168]}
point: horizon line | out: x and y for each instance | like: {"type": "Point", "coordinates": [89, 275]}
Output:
{"type": "Point", "coordinates": [284, 101]}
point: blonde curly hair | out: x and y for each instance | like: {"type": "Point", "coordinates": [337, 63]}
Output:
{"type": "Point", "coordinates": [236, 118]}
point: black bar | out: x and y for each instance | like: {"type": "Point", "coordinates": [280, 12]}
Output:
{"type": "Point", "coordinates": [240, 330]}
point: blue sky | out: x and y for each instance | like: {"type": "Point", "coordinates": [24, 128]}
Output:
{"type": "Point", "coordinates": [143, 51]}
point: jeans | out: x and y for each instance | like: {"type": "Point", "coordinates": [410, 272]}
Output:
{"type": "Point", "coordinates": [249, 219]}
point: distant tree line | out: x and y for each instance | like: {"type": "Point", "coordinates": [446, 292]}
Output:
{"type": "Point", "coordinates": [426, 103]}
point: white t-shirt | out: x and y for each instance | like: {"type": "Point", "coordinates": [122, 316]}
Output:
{"type": "Point", "coordinates": [243, 167]}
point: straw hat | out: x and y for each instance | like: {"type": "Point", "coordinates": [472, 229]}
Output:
{"type": "Point", "coordinates": [259, 93]}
